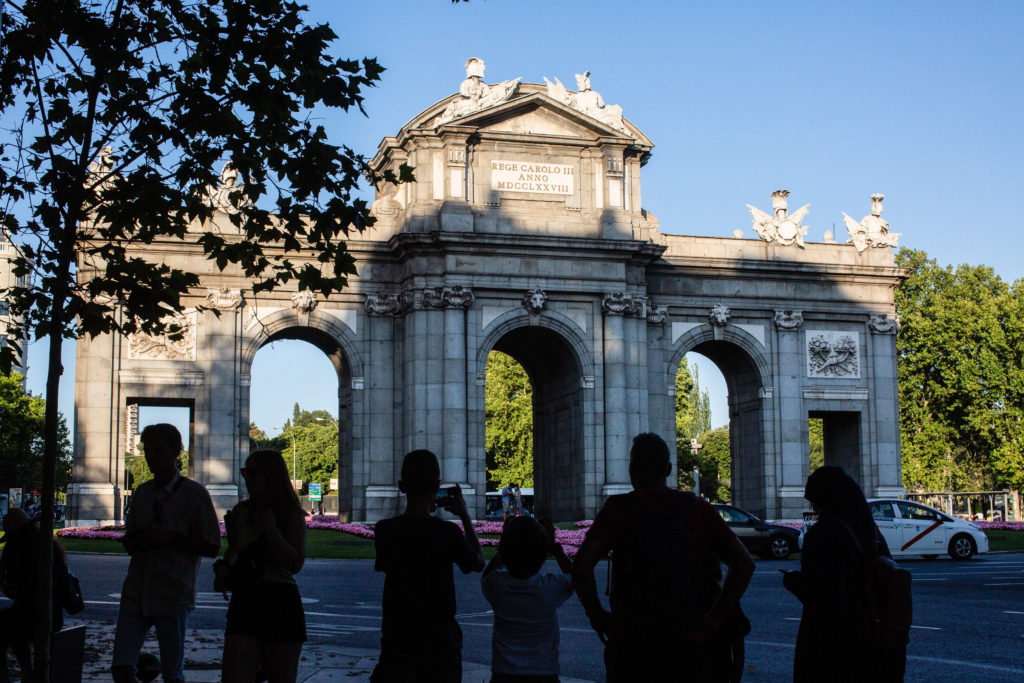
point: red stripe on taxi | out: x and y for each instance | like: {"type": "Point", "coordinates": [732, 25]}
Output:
{"type": "Point", "coordinates": [921, 535]}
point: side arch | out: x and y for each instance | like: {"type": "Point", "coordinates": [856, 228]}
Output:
{"type": "Point", "coordinates": [566, 328]}
{"type": "Point", "coordinates": [337, 342]}
{"type": "Point", "coordinates": [746, 367]}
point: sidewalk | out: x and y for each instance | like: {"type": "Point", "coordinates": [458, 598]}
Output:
{"type": "Point", "coordinates": [320, 661]}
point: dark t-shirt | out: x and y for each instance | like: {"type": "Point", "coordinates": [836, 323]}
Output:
{"type": "Point", "coordinates": [417, 554]}
{"type": "Point", "coordinates": [664, 527]}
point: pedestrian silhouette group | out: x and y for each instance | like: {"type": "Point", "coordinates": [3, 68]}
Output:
{"type": "Point", "coordinates": [672, 613]}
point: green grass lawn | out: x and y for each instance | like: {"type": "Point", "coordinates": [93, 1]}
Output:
{"type": "Point", "coordinates": [321, 543]}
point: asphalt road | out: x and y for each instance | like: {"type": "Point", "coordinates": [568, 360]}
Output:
{"type": "Point", "coordinates": [968, 616]}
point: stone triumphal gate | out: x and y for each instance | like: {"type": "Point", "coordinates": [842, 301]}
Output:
{"type": "Point", "coordinates": [524, 233]}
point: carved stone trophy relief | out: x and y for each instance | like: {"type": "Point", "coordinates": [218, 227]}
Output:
{"type": "Point", "coordinates": [833, 354]}
{"type": "Point", "coordinates": [143, 346]}
{"type": "Point", "coordinates": [475, 95]}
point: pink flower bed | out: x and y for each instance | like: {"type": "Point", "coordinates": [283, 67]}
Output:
{"type": "Point", "coordinates": [1004, 526]}
{"type": "Point", "coordinates": [569, 538]}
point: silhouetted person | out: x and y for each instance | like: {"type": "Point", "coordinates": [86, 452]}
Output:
{"type": "Point", "coordinates": [171, 524]}
{"type": "Point", "coordinates": [266, 625]}
{"type": "Point", "coordinates": [660, 540]}
{"type": "Point", "coordinates": [18, 580]}
{"type": "Point", "coordinates": [524, 643]}
{"type": "Point", "coordinates": [420, 639]}
{"type": "Point", "coordinates": [836, 640]}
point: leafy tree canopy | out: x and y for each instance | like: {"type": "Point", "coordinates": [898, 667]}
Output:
{"type": "Point", "coordinates": [693, 418]}
{"type": "Point", "coordinates": [315, 445]}
{"type": "Point", "coordinates": [21, 438]}
{"type": "Point", "coordinates": [961, 376]}
{"type": "Point", "coordinates": [508, 407]}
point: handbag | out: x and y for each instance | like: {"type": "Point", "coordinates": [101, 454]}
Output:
{"type": "Point", "coordinates": [73, 601]}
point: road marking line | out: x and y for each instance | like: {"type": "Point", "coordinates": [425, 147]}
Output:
{"type": "Point", "coordinates": [791, 618]}
{"type": "Point", "coordinates": [342, 616]}
{"type": "Point", "coordinates": [960, 662]}
{"type": "Point", "coordinates": [917, 579]}
{"type": "Point", "coordinates": [927, 628]}
{"type": "Point", "coordinates": [1019, 583]}
{"type": "Point", "coordinates": [1010, 611]}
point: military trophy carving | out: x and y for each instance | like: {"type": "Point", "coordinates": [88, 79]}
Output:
{"type": "Point", "coordinates": [789, 320]}
{"type": "Point", "coordinates": [475, 95]}
{"type": "Point", "coordinates": [873, 230]}
{"type": "Point", "coordinates": [782, 228]}
{"type": "Point", "coordinates": [587, 101]}
{"type": "Point", "coordinates": [229, 195]}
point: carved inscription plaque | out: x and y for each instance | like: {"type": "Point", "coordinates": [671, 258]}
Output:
{"type": "Point", "coordinates": [532, 176]}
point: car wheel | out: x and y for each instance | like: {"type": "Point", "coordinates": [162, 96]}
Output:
{"type": "Point", "coordinates": [780, 547]}
{"type": "Point", "coordinates": [962, 547]}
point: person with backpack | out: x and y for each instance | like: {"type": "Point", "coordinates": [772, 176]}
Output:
{"type": "Point", "coordinates": [839, 638]}
{"type": "Point", "coordinates": [18, 580]}
{"type": "Point", "coordinates": [660, 540]}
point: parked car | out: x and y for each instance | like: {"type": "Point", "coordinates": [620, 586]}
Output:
{"type": "Point", "coordinates": [772, 541]}
{"type": "Point", "coordinates": [915, 529]}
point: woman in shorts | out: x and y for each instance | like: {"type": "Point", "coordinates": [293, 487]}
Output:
{"type": "Point", "coordinates": [266, 626]}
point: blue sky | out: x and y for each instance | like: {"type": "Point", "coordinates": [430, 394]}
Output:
{"type": "Point", "coordinates": [833, 101]}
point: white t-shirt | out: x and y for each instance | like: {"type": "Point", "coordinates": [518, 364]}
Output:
{"type": "Point", "coordinates": [525, 639]}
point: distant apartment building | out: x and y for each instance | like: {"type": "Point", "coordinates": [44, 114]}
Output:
{"type": "Point", "coordinates": [8, 280]}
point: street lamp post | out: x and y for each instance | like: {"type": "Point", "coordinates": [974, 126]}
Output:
{"type": "Point", "coordinates": [294, 474]}
{"type": "Point", "coordinates": [695, 447]}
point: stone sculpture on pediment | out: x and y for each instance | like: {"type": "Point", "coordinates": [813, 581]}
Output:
{"type": "Point", "coordinates": [100, 171]}
{"type": "Point", "coordinates": [224, 298]}
{"type": "Point", "coordinates": [884, 324]}
{"type": "Point", "coordinates": [475, 95]}
{"type": "Point", "coordinates": [144, 346]}
{"type": "Point", "coordinates": [782, 228]}
{"type": "Point", "coordinates": [304, 301]}
{"type": "Point", "coordinates": [383, 304]}
{"type": "Point", "coordinates": [788, 320]}
{"type": "Point", "coordinates": [535, 300]}
{"type": "Point", "coordinates": [873, 230]}
{"type": "Point", "coordinates": [587, 101]}
{"type": "Point", "coordinates": [220, 198]}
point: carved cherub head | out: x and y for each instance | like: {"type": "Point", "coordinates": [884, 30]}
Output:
{"type": "Point", "coordinates": [583, 81]}
{"type": "Point", "coordinates": [876, 204]}
{"type": "Point", "coordinates": [474, 68]}
{"type": "Point", "coordinates": [779, 203]}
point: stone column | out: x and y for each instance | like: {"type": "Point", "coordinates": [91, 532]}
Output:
{"type": "Point", "coordinates": [218, 466]}
{"type": "Point", "coordinates": [377, 497]}
{"type": "Point", "coordinates": [792, 419]}
{"type": "Point", "coordinates": [884, 401]}
{"type": "Point", "coordinates": [455, 470]}
{"type": "Point", "coordinates": [615, 306]}
{"type": "Point", "coordinates": [94, 496]}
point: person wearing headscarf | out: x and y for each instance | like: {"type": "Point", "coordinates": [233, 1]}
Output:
{"type": "Point", "coordinates": [836, 640]}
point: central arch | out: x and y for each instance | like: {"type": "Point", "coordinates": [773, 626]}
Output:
{"type": "Point", "coordinates": [549, 352]}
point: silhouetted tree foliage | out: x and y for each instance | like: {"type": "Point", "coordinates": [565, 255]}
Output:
{"type": "Point", "coordinates": [174, 88]}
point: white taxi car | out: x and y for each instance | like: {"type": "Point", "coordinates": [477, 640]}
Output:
{"type": "Point", "coordinates": [915, 529]}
